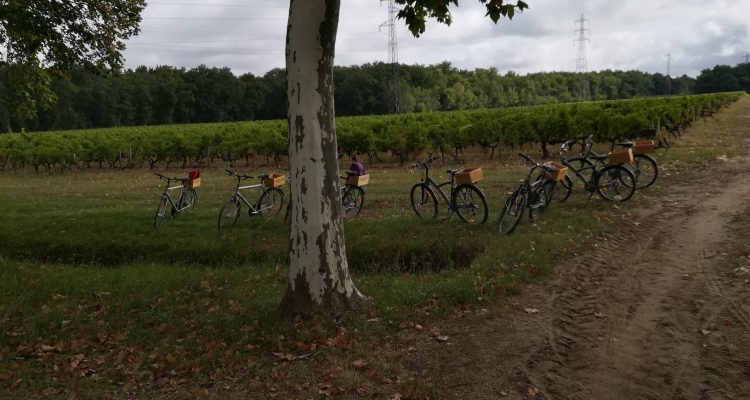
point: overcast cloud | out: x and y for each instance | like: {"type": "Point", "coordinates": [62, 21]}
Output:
{"type": "Point", "coordinates": [248, 36]}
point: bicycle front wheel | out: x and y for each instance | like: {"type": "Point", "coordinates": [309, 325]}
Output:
{"type": "Point", "coordinates": [271, 202]}
{"type": "Point", "coordinates": [352, 201]}
{"type": "Point", "coordinates": [512, 212]}
{"type": "Point", "coordinates": [229, 214]}
{"type": "Point", "coordinates": [423, 201]}
{"type": "Point", "coordinates": [646, 171]}
{"type": "Point", "coordinates": [160, 212]}
{"type": "Point", "coordinates": [539, 199]}
{"type": "Point", "coordinates": [562, 190]}
{"type": "Point", "coordinates": [470, 204]}
{"type": "Point", "coordinates": [188, 199]}
{"type": "Point", "coordinates": [615, 183]}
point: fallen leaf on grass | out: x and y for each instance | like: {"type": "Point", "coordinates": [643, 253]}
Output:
{"type": "Point", "coordinates": [705, 332]}
{"type": "Point", "coordinates": [599, 315]}
{"type": "Point", "coordinates": [359, 364]}
{"type": "Point", "coordinates": [531, 310]}
{"type": "Point", "coordinates": [533, 392]}
{"type": "Point", "coordinates": [442, 338]}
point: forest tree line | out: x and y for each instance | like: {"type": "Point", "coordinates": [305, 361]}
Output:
{"type": "Point", "coordinates": [168, 95]}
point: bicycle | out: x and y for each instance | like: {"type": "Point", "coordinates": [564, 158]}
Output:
{"type": "Point", "coordinates": [533, 195]}
{"type": "Point", "coordinates": [269, 204]}
{"type": "Point", "coordinates": [466, 199]}
{"type": "Point", "coordinates": [644, 167]}
{"type": "Point", "coordinates": [187, 199]}
{"type": "Point", "coordinates": [610, 179]}
{"type": "Point", "coordinates": [352, 194]}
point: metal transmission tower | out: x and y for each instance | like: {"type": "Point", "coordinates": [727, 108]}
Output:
{"type": "Point", "coordinates": [581, 63]}
{"type": "Point", "coordinates": [395, 86]}
{"type": "Point", "coordinates": [669, 73]}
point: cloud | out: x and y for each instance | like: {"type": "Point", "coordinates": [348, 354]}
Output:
{"type": "Point", "coordinates": [634, 34]}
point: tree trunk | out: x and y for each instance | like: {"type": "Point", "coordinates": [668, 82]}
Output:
{"type": "Point", "coordinates": [319, 280]}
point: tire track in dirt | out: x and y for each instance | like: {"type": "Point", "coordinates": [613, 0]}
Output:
{"type": "Point", "coordinates": [643, 342]}
{"type": "Point", "coordinates": [653, 311]}
{"type": "Point", "coordinates": [625, 320]}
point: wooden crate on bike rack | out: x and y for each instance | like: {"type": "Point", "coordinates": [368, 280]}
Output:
{"type": "Point", "coordinates": [274, 180]}
{"type": "Point", "coordinates": [559, 173]}
{"type": "Point", "coordinates": [192, 183]}
{"type": "Point", "coordinates": [624, 156]}
{"type": "Point", "coordinates": [644, 147]}
{"type": "Point", "coordinates": [358, 180]}
{"type": "Point", "coordinates": [468, 176]}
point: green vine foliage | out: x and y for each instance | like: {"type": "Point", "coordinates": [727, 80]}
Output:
{"type": "Point", "coordinates": [404, 136]}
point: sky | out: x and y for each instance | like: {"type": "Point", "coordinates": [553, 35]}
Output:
{"type": "Point", "coordinates": [249, 36]}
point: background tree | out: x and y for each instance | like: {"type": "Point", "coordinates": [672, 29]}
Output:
{"type": "Point", "coordinates": [39, 36]}
{"type": "Point", "coordinates": [319, 277]}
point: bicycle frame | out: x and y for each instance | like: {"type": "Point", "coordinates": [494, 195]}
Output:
{"type": "Point", "coordinates": [238, 195]}
{"type": "Point", "coordinates": [431, 182]}
{"type": "Point", "coordinates": [167, 190]}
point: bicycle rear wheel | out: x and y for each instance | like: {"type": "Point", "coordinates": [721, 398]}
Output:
{"type": "Point", "coordinates": [229, 214]}
{"type": "Point", "coordinates": [423, 201]}
{"type": "Point", "coordinates": [160, 212]}
{"type": "Point", "coordinates": [470, 204]}
{"type": "Point", "coordinates": [512, 212]}
{"type": "Point", "coordinates": [352, 201]}
{"type": "Point", "coordinates": [271, 202]}
{"type": "Point", "coordinates": [615, 183]}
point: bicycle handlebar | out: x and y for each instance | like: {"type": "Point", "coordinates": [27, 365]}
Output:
{"type": "Point", "coordinates": [168, 178]}
{"type": "Point", "coordinates": [232, 173]}
{"type": "Point", "coordinates": [527, 158]}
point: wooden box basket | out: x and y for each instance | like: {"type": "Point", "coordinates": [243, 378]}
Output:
{"type": "Point", "coordinates": [644, 147]}
{"type": "Point", "coordinates": [274, 180]}
{"type": "Point", "coordinates": [624, 156]}
{"type": "Point", "coordinates": [469, 176]}
{"type": "Point", "coordinates": [194, 183]}
{"type": "Point", "coordinates": [559, 173]}
{"type": "Point", "coordinates": [358, 180]}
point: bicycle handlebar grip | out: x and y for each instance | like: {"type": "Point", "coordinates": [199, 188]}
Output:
{"type": "Point", "coordinates": [527, 158]}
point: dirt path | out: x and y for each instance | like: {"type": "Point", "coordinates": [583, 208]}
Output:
{"type": "Point", "coordinates": [659, 310]}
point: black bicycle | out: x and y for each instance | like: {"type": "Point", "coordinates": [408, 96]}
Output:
{"type": "Point", "coordinates": [186, 200]}
{"type": "Point", "coordinates": [644, 167]}
{"type": "Point", "coordinates": [611, 179]}
{"type": "Point", "coordinates": [269, 204]}
{"type": "Point", "coordinates": [533, 194]}
{"type": "Point", "coordinates": [461, 194]}
{"type": "Point", "coordinates": [352, 193]}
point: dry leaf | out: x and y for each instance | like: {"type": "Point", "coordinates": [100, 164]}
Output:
{"type": "Point", "coordinates": [531, 310]}
{"type": "Point", "coordinates": [705, 332]}
{"type": "Point", "coordinates": [359, 364]}
{"type": "Point", "coordinates": [442, 338]}
{"type": "Point", "coordinates": [599, 315]}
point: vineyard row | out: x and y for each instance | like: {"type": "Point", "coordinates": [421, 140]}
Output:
{"type": "Point", "coordinates": [402, 135]}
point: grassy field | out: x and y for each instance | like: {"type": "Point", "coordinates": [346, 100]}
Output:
{"type": "Point", "coordinates": [93, 300]}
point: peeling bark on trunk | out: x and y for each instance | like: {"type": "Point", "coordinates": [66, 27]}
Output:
{"type": "Point", "coordinates": [319, 280]}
